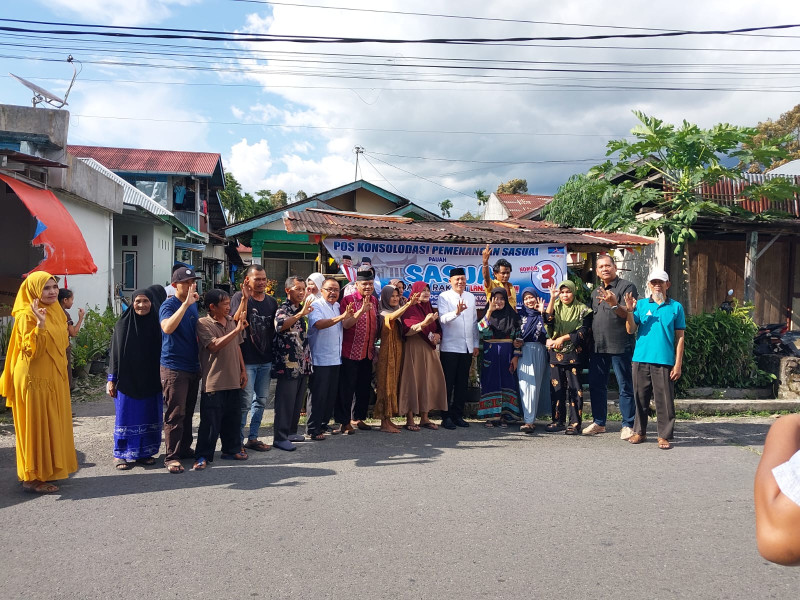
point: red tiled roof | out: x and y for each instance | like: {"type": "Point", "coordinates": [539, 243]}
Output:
{"type": "Point", "coordinates": [139, 160]}
{"type": "Point", "coordinates": [521, 205]}
{"type": "Point", "coordinates": [510, 231]}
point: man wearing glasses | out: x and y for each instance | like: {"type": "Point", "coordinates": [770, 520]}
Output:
{"type": "Point", "coordinates": [325, 338]}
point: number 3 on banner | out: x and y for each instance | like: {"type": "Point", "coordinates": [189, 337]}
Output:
{"type": "Point", "coordinates": [547, 273]}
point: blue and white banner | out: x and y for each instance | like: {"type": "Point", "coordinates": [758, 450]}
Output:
{"type": "Point", "coordinates": [537, 265]}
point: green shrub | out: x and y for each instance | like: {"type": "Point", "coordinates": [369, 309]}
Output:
{"type": "Point", "coordinates": [719, 350]}
{"type": "Point", "coordinates": [94, 338]}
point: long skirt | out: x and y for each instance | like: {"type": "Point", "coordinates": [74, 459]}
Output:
{"type": "Point", "coordinates": [422, 386]}
{"type": "Point", "coordinates": [533, 371]}
{"type": "Point", "coordinates": [499, 386]}
{"type": "Point", "coordinates": [137, 429]}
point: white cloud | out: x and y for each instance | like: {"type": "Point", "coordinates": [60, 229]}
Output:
{"type": "Point", "coordinates": [140, 117]}
{"type": "Point", "coordinates": [250, 164]}
{"type": "Point", "coordinates": [119, 12]}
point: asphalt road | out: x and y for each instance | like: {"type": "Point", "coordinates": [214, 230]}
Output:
{"type": "Point", "coordinates": [474, 513]}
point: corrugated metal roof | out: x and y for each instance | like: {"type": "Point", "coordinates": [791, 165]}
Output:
{"type": "Point", "coordinates": [131, 195]}
{"type": "Point", "coordinates": [520, 205]}
{"type": "Point", "coordinates": [350, 225]}
{"type": "Point", "coordinates": [139, 160]}
{"type": "Point", "coordinates": [790, 168]}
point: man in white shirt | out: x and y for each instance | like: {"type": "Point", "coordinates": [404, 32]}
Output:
{"type": "Point", "coordinates": [459, 344]}
{"type": "Point", "coordinates": [325, 340]}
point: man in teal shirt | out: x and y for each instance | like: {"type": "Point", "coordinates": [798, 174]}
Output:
{"type": "Point", "coordinates": [659, 323]}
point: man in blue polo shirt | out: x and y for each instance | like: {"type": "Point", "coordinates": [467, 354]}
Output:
{"type": "Point", "coordinates": [659, 323]}
{"type": "Point", "coordinates": [180, 367]}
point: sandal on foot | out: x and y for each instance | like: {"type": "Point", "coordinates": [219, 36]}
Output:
{"type": "Point", "coordinates": [528, 428]}
{"type": "Point", "coordinates": [411, 427]}
{"type": "Point", "coordinates": [200, 464]}
{"type": "Point", "coordinates": [363, 426]}
{"type": "Point", "coordinates": [664, 444]}
{"type": "Point", "coordinates": [637, 438]}
{"type": "Point", "coordinates": [429, 425]}
{"type": "Point", "coordinates": [554, 427]}
{"type": "Point", "coordinates": [150, 460]}
{"type": "Point", "coordinates": [174, 466]}
{"type": "Point", "coordinates": [573, 429]}
{"type": "Point", "coordinates": [257, 445]}
{"type": "Point", "coordinates": [317, 437]}
{"type": "Point", "coordinates": [39, 487]}
{"type": "Point", "coordinates": [237, 456]}
{"type": "Point", "coordinates": [120, 464]}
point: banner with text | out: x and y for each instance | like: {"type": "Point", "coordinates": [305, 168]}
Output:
{"type": "Point", "coordinates": [537, 265]}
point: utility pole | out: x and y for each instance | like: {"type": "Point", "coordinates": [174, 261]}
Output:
{"type": "Point", "coordinates": [358, 150]}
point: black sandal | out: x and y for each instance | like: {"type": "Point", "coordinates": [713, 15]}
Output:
{"type": "Point", "coordinates": [573, 429]}
{"type": "Point", "coordinates": [554, 427]}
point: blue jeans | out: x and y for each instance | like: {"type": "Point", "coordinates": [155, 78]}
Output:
{"type": "Point", "coordinates": [254, 397]}
{"type": "Point", "coordinates": [599, 368]}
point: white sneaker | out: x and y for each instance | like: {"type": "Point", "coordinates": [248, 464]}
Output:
{"type": "Point", "coordinates": [593, 429]}
{"type": "Point", "coordinates": [625, 433]}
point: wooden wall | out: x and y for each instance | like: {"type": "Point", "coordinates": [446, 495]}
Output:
{"type": "Point", "coordinates": [715, 266]}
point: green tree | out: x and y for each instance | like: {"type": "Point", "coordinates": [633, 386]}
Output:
{"type": "Point", "coordinates": [445, 206]}
{"type": "Point", "coordinates": [238, 204]}
{"type": "Point", "coordinates": [300, 196]}
{"type": "Point", "coordinates": [513, 186]}
{"type": "Point", "coordinates": [279, 199]}
{"type": "Point", "coordinates": [785, 132]}
{"type": "Point", "coordinates": [682, 158]}
{"type": "Point", "coordinates": [482, 197]}
{"type": "Point", "coordinates": [577, 202]}
{"type": "Point", "coordinates": [468, 216]}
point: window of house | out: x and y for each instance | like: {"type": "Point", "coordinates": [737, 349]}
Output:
{"type": "Point", "coordinates": [129, 270]}
{"type": "Point", "coordinates": [124, 240]}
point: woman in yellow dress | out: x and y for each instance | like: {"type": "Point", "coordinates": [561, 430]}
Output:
{"type": "Point", "coordinates": [36, 386]}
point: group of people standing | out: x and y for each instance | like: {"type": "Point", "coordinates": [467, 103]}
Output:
{"type": "Point", "coordinates": [163, 354]}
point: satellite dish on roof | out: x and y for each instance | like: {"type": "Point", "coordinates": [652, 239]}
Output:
{"type": "Point", "coordinates": [42, 95]}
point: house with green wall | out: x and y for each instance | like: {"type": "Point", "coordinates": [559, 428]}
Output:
{"type": "Point", "coordinates": [283, 253]}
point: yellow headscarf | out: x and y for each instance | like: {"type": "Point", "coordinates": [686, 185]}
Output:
{"type": "Point", "coordinates": [24, 322]}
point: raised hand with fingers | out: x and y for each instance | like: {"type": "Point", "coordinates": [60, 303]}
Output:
{"type": "Point", "coordinates": [487, 253]}
{"type": "Point", "coordinates": [630, 302]}
{"type": "Point", "coordinates": [461, 307]}
{"type": "Point", "coordinates": [39, 313]}
{"type": "Point", "coordinates": [553, 289]}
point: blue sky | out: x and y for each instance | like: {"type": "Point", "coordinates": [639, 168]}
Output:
{"type": "Point", "coordinates": [282, 119]}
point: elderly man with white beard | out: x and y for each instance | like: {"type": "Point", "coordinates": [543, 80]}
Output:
{"type": "Point", "coordinates": [659, 323]}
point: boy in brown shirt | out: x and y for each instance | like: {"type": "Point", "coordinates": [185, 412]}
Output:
{"type": "Point", "coordinates": [223, 375]}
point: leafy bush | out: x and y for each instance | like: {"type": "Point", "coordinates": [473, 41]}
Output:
{"type": "Point", "coordinates": [719, 350]}
{"type": "Point", "coordinates": [94, 338]}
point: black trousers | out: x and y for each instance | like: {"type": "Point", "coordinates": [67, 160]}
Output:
{"type": "Point", "coordinates": [324, 391]}
{"type": "Point", "coordinates": [289, 395]}
{"type": "Point", "coordinates": [220, 417]}
{"type": "Point", "coordinates": [565, 383]}
{"type": "Point", "coordinates": [355, 377]}
{"type": "Point", "coordinates": [456, 378]}
{"type": "Point", "coordinates": [652, 381]}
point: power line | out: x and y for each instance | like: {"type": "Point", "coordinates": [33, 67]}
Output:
{"type": "Point", "coordinates": [421, 177]}
{"type": "Point", "coordinates": [446, 16]}
{"type": "Point", "coordinates": [225, 36]}
{"type": "Point", "coordinates": [500, 162]}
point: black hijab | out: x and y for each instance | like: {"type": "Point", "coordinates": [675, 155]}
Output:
{"type": "Point", "coordinates": [504, 321]}
{"type": "Point", "coordinates": [159, 294]}
{"type": "Point", "coordinates": [136, 350]}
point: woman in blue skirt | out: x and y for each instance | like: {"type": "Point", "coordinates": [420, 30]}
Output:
{"type": "Point", "coordinates": [135, 383]}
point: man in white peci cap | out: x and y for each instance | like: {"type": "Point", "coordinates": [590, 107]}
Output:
{"type": "Point", "coordinates": [659, 323]}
